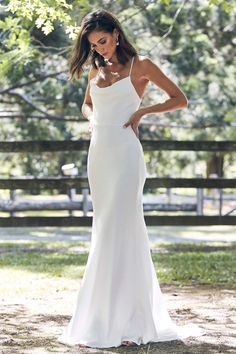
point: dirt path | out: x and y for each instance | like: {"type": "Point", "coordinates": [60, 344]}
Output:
{"type": "Point", "coordinates": [157, 234]}
{"type": "Point", "coordinates": [31, 321]}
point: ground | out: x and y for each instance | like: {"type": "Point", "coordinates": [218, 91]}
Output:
{"type": "Point", "coordinates": [31, 324]}
{"type": "Point", "coordinates": [34, 307]}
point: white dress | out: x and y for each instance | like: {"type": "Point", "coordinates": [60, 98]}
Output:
{"type": "Point", "coordinates": [119, 298]}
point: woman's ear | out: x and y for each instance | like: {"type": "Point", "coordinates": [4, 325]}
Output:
{"type": "Point", "coordinates": [116, 33]}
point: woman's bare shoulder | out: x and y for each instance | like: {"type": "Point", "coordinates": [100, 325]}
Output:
{"type": "Point", "coordinates": [142, 67]}
{"type": "Point", "coordinates": [140, 58]}
{"type": "Point", "coordinates": [92, 72]}
{"type": "Point", "coordinates": [143, 62]}
{"type": "Point", "coordinates": [149, 68]}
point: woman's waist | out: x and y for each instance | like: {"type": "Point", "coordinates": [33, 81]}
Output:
{"type": "Point", "coordinates": [113, 133]}
{"type": "Point", "coordinates": [111, 118]}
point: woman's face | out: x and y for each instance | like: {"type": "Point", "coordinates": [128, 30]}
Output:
{"type": "Point", "coordinates": [103, 43]}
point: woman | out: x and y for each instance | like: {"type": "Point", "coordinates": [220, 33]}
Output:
{"type": "Point", "coordinates": [120, 301]}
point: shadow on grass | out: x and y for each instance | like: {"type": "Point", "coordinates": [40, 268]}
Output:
{"type": "Point", "coordinates": [183, 264]}
{"type": "Point", "coordinates": [43, 257]}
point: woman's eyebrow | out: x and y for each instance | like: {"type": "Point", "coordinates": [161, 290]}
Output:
{"type": "Point", "coordinates": [98, 40]}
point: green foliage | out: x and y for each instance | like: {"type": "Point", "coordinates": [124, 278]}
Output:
{"type": "Point", "coordinates": [198, 54]}
{"type": "Point", "coordinates": [227, 5]}
{"type": "Point", "coordinates": [16, 44]}
{"type": "Point", "coordinates": [42, 13]}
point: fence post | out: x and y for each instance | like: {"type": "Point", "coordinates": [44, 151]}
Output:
{"type": "Point", "coordinates": [85, 193]}
{"type": "Point", "coordinates": [217, 194]}
{"type": "Point", "coordinates": [214, 191]}
{"type": "Point", "coordinates": [70, 170]}
{"type": "Point", "coordinates": [169, 192]}
{"type": "Point", "coordinates": [200, 198]}
{"type": "Point", "coordinates": [220, 201]}
{"type": "Point", "coordinates": [12, 199]}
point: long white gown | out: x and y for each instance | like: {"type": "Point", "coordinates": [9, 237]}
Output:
{"type": "Point", "coordinates": [120, 297]}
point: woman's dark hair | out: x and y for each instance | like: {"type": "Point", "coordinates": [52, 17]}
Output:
{"type": "Point", "coordinates": [99, 20]}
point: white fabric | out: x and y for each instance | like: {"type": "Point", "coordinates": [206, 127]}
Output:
{"type": "Point", "coordinates": [119, 298]}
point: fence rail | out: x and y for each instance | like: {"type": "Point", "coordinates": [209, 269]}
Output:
{"type": "Point", "coordinates": [155, 220]}
{"type": "Point", "coordinates": [81, 183]}
{"type": "Point", "coordinates": [29, 182]}
{"type": "Point", "coordinates": [79, 205]}
{"type": "Point", "coordinates": [148, 145]}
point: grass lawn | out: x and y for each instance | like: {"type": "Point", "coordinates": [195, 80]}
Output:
{"type": "Point", "coordinates": [179, 264]}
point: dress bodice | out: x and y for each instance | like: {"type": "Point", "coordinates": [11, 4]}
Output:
{"type": "Point", "coordinates": [114, 104]}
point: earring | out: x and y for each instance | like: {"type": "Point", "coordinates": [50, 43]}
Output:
{"type": "Point", "coordinates": [117, 41]}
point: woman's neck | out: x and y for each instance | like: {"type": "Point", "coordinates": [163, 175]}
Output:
{"type": "Point", "coordinates": [113, 60]}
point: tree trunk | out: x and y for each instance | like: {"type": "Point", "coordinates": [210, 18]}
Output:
{"type": "Point", "coordinates": [215, 165]}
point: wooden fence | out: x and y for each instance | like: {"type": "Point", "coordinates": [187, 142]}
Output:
{"type": "Point", "coordinates": [81, 183]}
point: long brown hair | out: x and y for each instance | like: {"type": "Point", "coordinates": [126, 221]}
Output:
{"type": "Point", "coordinates": [99, 20]}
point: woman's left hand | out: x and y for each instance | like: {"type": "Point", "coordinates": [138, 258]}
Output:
{"type": "Point", "coordinates": [134, 122]}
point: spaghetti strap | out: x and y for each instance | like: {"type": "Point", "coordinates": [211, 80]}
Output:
{"type": "Point", "coordinates": [131, 66]}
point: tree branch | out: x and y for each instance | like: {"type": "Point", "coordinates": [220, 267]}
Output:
{"type": "Point", "coordinates": [171, 26]}
{"type": "Point", "coordinates": [40, 78]}
{"type": "Point", "coordinates": [29, 102]}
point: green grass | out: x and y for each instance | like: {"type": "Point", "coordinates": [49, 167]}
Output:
{"type": "Point", "coordinates": [55, 259]}
{"type": "Point", "coordinates": [203, 264]}
{"type": "Point", "coordinates": [179, 264]}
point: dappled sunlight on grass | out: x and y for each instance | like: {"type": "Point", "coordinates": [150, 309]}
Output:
{"type": "Point", "coordinates": [53, 259]}
{"type": "Point", "coordinates": [202, 263]}
{"type": "Point", "coordinates": [223, 233]}
{"type": "Point", "coordinates": [156, 233]}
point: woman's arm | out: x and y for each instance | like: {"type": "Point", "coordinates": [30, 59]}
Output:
{"type": "Point", "coordinates": [177, 99]}
{"type": "Point", "coordinates": [87, 106]}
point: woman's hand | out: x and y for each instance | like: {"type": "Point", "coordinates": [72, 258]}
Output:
{"type": "Point", "coordinates": [134, 122]}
